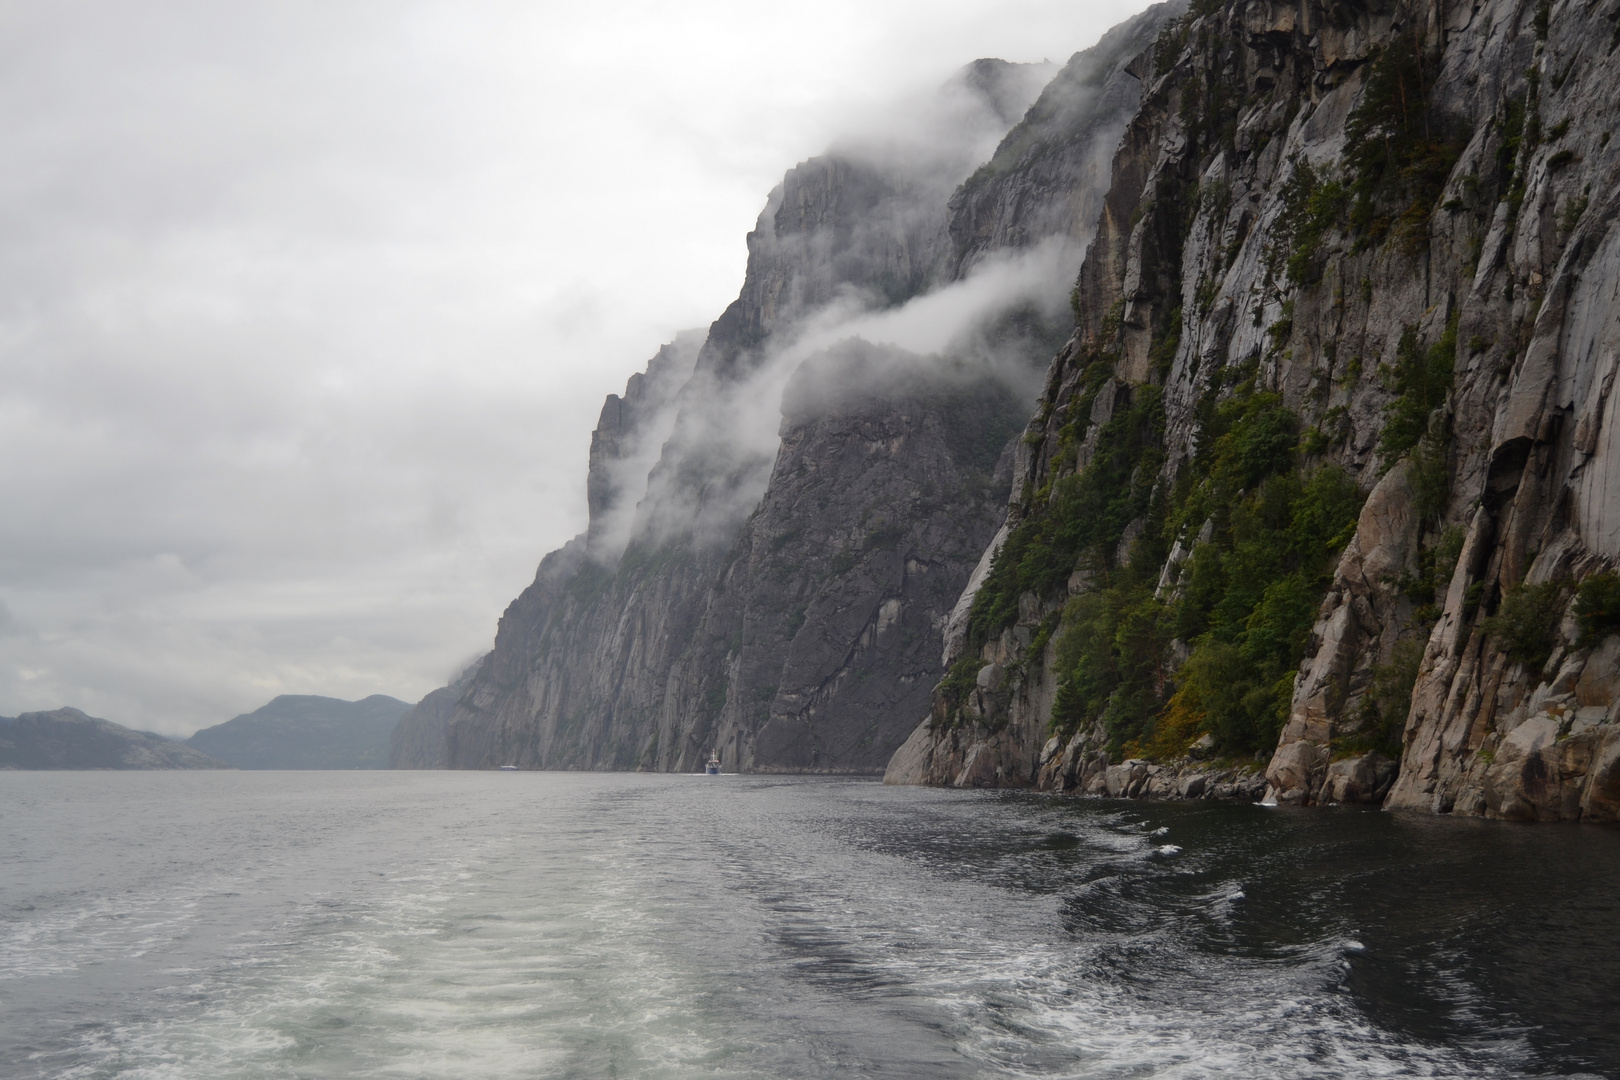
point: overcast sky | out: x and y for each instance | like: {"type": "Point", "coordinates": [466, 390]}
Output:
{"type": "Point", "coordinates": [307, 309]}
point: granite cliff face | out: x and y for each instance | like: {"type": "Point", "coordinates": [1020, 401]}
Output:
{"type": "Point", "coordinates": [820, 638]}
{"type": "Point", "coordinates": [773, 583]}
{"type": "Point", "coordinates": [69, 739]}
{"type": "Point", "coordinates": [1325, 479]}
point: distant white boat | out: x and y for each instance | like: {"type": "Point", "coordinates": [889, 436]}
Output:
{"type": "Point", "coordinates": [713, 768]}
{"type": "Point", "coordinates": [509, 768]}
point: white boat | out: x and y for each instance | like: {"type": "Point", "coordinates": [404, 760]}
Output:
{"type": "Point", "coordinates": [509, 768]}
{"type": "Point", "coordinates": [713, 767]}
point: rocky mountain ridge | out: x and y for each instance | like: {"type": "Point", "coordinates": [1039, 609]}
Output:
{"type": "Point", "coordinates": [70, 739]}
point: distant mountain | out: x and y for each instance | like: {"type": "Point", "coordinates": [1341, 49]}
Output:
{"type": "Point", "coordinates": [68, 739]}
{"type": "Point", "coordinates": [303, 731]}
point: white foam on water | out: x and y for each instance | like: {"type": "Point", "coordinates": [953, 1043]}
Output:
{"type": "Point", "coordinates": [591, 926]}
{"type": "Point", "coordinates": [423, 982]}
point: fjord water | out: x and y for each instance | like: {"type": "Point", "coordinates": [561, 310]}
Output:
{"type": "Point", "coordinates": [497, 925]}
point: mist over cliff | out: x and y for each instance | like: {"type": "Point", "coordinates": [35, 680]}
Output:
{"type": "Point", "coordinates": [1313, 504]}
{"type": "Point", "coordinates": [784, 509]}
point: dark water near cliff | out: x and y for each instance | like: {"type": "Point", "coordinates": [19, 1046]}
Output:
{"type": "Point", "coordinates": [556, 925]}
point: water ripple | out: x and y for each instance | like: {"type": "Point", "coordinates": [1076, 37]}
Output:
{"type": "Point", "coordinates": [478, 925]}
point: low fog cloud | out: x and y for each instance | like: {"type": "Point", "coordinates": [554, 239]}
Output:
{"type": "Point", "coordinates": [307, 309]}
{"type": "Point", "coordinates": [731, 429]}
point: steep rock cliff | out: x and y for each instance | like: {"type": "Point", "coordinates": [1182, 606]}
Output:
{"type": "Point", "coordinates": [1356, 244]}
{"type": "Point", "coordinates": [419, 739]}
{"type": "Point", "coordinates": [821, 636]}
{"type": "Point", "coordinates": [787, 569]}
{"type": "Point", "coordinates": [1059, 152]}
{"type": "Point", "coordinates": [630, 433]}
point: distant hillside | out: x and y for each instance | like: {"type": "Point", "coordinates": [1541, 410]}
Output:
{"type": "Point", "coordinates": [303, 731]}
{"type": "Point", "coordinates": [68, 739]}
